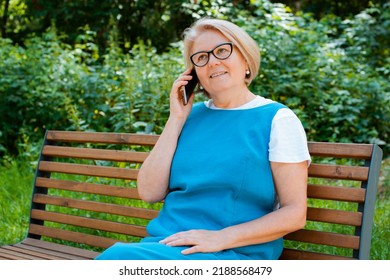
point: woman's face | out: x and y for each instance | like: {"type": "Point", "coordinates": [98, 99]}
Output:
{"type": "Point", "coordinates": [219, 76]}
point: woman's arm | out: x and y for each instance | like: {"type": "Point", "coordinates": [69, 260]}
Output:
{"type": "Point", "coordinates": [153, 176]}
{"type": "Point", "coordinates": [291, 184]}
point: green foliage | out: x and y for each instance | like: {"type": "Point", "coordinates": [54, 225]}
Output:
{"type": "Point", "coordinates": [50, 85]}
{"type": "Point", "coordinates": [161, 22]}
{"type": "Point", "coordinates": [14, 19]}
{"type": "Point", "coordinates": [319, 8]}
{"type": "Point", "coordinates": [327, 71]}
{"type": "Point", "coordinates": [333, 73]}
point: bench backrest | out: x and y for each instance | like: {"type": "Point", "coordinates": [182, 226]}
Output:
{"type": "Point", "coordinates": [342, 190]}
{"type": "Point", "coordinates": [85, 194]}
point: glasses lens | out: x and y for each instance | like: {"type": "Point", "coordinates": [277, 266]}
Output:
{"type": "Point", "coordinates": [200, 59]}
{"type": "Point", "coordinates": [223, 51]}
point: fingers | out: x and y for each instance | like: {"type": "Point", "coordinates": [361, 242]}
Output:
{"type": "Point", "coordinates": [198, 240]}
{"type": "Point", "coordinates": [183, 78]}
{"type": "Point", "coordinates": [183, 239]}
{"type": "Point", "coordinates": [179, 239]}
{"type": "Point", "coordinates": [191, 250]}
{"type": "Point", "coordinates": [177, 108]}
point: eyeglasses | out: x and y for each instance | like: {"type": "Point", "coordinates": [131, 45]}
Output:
{"type": "Point", "coordinates": [222, 51]}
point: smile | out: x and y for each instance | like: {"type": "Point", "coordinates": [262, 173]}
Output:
{"type": "Point", "coordinates": [218, 74]}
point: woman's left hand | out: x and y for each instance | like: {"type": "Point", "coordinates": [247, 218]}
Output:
{"type": "Point", "coordinates": [201, 241]}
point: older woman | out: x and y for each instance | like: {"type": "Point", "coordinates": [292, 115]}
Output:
{"type": "Point", "coordinates": [232, 170]}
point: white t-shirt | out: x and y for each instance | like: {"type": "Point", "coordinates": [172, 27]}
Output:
{"type": "Point", "coordinates": [288, 141]}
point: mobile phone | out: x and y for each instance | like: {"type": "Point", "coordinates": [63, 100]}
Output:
{"type": "Point", "coordinates": [189, 88]}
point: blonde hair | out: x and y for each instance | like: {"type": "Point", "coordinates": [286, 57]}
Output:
{"type": "Point", "coordinates": [240, 39]}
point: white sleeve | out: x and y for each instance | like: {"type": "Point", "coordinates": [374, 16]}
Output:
{"type": "Point", "coordinates": [288, 141]}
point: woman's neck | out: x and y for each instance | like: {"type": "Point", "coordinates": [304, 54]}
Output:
{"type": "Point", "coordinates": [233, 100]}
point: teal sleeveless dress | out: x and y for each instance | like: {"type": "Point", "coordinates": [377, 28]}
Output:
{"type": "Point", "coordinates": [220, 176]}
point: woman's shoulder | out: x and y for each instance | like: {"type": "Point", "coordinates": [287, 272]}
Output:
{"type": "Point", "coordinates": [198, 107]}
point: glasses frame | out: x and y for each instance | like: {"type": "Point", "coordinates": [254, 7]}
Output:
{"type": "Point", "coordinates": [212, 52]}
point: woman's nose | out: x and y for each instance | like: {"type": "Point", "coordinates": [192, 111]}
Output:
{"type": "Point", "coordinates": [213, 60]}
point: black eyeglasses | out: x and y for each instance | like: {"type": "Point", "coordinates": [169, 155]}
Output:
{"type": "Point", "coordinates": [222, 51]}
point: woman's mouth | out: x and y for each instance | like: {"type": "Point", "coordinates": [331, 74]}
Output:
{"type": "Point", "coordinates": [217, 74]}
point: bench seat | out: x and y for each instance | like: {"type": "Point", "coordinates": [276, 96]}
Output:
{"type": "Point", "coordinates": [35, 249]}
{"type": "Point", "coordinates": [85, 196]}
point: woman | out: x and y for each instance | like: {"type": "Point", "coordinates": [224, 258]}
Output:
{"type": "Point", "coordinates": [221, 165]}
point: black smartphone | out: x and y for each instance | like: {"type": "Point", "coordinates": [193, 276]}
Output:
{"type": "Point", "coordinates": [189, 88]}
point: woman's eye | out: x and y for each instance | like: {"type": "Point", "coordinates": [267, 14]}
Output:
{"type": "Point", "coordinates": [221, 50]}
{"type": "Point", "coordinates": [202, 57]}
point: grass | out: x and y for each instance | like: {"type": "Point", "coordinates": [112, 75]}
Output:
{"type": "Point", "coordinates": [16, 180]}
{"type": "Point", "coordinates": [380, 248]}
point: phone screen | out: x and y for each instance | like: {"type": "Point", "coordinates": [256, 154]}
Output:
{"type": "Point", "coordinates": [190, 87]}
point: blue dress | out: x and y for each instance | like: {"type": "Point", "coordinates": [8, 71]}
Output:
{"type": "Point", "coordinates": [220, 177]}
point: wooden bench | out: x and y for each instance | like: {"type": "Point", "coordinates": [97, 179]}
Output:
{"type": "Point", "coordinates": [85, 198]}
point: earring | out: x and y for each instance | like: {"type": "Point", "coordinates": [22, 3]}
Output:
{"type": "Point", "coordinates": [200, 87]}
{"type": "Point", "coordinates": [247, 72]}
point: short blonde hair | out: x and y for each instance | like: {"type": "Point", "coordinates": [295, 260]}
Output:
{"type": "Point", "coordinates": [240, 38]}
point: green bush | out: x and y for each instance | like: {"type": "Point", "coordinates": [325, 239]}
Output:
{"type": "Point", "coordinates": [50, 85]}
{"type": "Point", "coordinates": [333, 73]}
{"type": "Point", "coordinates": [328, 71]}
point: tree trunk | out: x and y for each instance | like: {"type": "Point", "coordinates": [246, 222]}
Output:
{"type": "Point", "coordinates": [5, 18]}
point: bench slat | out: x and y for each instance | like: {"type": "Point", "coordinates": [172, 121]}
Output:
{"type": "Point", "coordinates": [324, 238]}
{"type": "Point", "coordinates": [108, 208]}
{"type": "Point", "coordinates": [12, 255]}
{"type": "Point", "coordinates": [343, 172]}
{"type": "Point", "coordinates": [340, 150]}
{"type": "Point", "coordinates": [100, 189]}
{"type": "Point", "coordinates": [334, 216]}
{"type": "Point", "coordinates": [56, 248]}
{"type": "Point", "coordinates": [109, 226]}
{"type": "Point", "coordinates": [96, 154]}
{"type": "Point", "coordinates": [78, 237]}
{"type": "Point", "coordinates": [293, 254]}
{"type": "Point", "coordinates": [20, 249]}
{"type": "Point", "coordinates": [336, 193]}
{"type": "Point", "coordinates": [102, 137]}
{"type": "Point", "coordinates": [89, 170]}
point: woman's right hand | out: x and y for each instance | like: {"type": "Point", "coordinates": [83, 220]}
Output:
{"type": "Point", "coordinates": [177, 109]}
